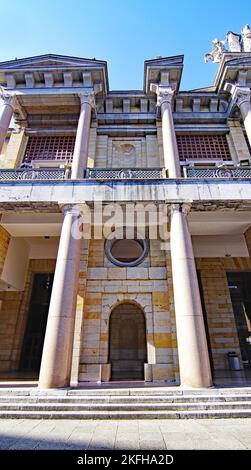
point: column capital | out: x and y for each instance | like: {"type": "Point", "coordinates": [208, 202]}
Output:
{"type": "Point", "coordinates": [240, 94]}
{"type": "Point", "coordinates": [182, 207]}
{"type": "Point", "coordinates": [87, 97]}
{"type": "Point", "coordinates": [164, 93]}
{"type": "Point", "coordinates": [78, 210]}
{"type": "Point", "coordinates": [9, 99]}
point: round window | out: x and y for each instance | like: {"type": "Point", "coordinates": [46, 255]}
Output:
{"type": "Point", "coordinates": [124, 252]}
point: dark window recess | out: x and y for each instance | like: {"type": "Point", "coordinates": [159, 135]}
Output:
{"type": "Point", "coordinates": [240, 291]}
{"type": "Point", "coordinates": [36, 323]}
{"type": "Point", "coordinates": [195, 146]}
{"type": "Point", "coordinates": [205, 322]}
{"type": "Point", "coordinates": [248, 143]}
{"type": "Point", "coordinates": [50, 148]}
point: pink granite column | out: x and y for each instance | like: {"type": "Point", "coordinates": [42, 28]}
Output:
{"type": "Point", "coordinates": [58, 344]}
{"type": "Point", "coordinates": [192, 343]}
{"type": "Point", "coordinates": [80, 155]}
{"type": "Point", "coordinates": [6, 114]}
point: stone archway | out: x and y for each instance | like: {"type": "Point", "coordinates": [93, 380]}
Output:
{"type": "Point", "coordinates": [127, 342]}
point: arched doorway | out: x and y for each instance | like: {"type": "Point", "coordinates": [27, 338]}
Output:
{"type": "Point", "coordinates": [127, 342]}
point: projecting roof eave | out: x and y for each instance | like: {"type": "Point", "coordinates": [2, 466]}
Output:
{"type": "Point", "coordinates": [153, 68]}
{"type": "Point", "coordinates": [53, 63]}
{"type": "Point", "coordinates": [230, 65]}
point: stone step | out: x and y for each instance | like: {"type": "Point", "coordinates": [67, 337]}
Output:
{"type": "Point", "coordinates": [153, 399]}
{"type": "Point", "coordinates": [142, 407]}
{"type": "Point", "coordinates": [205, 414]}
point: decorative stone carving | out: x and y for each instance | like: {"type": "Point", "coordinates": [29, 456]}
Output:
{"type": "Point", "coordinates": [246, 38]}
{"type": "Point", "coordinates": [234, 41]}
{"type": "Point", "coordinates": [8, 98]}
{"type": "Point", "coordinates": [218, 49]}
{"type": "Point", "coordinates": [242, 95]}
{"type": "Point", "coordinates": [164, 93]}
{"type": "Point", "coordinates": [87, 97]}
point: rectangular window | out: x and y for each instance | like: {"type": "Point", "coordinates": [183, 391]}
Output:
{"type": "Point", "coordinates": [198, 147]}
{"type": "Point", "coordinates": [57, 148]}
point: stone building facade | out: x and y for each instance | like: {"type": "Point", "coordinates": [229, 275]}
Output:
{"type": "Point", "coordinates": [163, 300]}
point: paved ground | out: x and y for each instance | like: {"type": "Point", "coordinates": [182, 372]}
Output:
{"type": "Point", "coordinates": [210, 434]}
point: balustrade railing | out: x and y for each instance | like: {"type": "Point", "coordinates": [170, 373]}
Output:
{"type": "Point", "coordinates": [34, 174]}
{"type": "Point", "coordinates": [125, 173]}
{"type": "Point", "coordinates": [217, 172]}
{"type": "Point", "coordinates": [103, 174]}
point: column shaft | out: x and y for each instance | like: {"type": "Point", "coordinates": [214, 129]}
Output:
{"type": "Point", "coordinates": [170, 149]}
{"type": "Point", "coordinates": [80, 155]}
{"type": "Point", "coordinates": [192, 343]}
{"type": "Point", "coordinates": [57, 351]}
{"type": "Point", "coordinates": [5, 118]}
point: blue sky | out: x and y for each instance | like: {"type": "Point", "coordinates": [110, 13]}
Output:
{"type": "Point", "coordinates": [125, 33]}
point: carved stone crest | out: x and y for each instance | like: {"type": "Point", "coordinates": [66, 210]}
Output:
{"type": "Point", "coordinates": [246, 38]}
{"type": "Point", "coordinates": [218, 47]}
{"type": "Point", "coordinates": [235, 42]}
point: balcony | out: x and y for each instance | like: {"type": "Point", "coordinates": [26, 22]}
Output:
{"type": "Point", "coordinates": [217, 172]}
{"type": "Point", "coordinates": [118, 174]}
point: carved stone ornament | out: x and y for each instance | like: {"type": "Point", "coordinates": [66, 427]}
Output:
{"type": "Point", "coordinates": [87, 97]}
{"type": "Point", "coordinates": [246, 38]}
{"type": "Point", "coordinates": [7, 98]}
{"type": "Point", "coordinates": [218, 47]}
{"type": "Point", "coordinates": [234, 41]}
{"type": "Point", "coordinates": [242, 95]}
{"type": "Point", "coordinates": [164, 93]}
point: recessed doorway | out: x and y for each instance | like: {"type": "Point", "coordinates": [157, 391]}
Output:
{"type": "Point", "coordinates": [127, 342]}
{"type": "Point", "coordinates": [36, 323]}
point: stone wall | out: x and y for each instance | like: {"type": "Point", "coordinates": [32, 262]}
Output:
{"type": "Point", "coordinates": [145, 286]}
{"type": "Point", "coordinates": [219, 311]}
{"type": "Point", "coordinates": [117, 152]}
{"type": "Point", "coordinates": [237, 136]}
{"type": "Point", "coordinates": [15, 149]}
{"type": "Point", "coordinates": [14, 314]}
{"type": "Point", "coordinates": [4, 243]}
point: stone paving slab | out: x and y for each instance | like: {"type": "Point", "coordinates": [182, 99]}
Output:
{"type": "Point", "coordinates": [230, 434]}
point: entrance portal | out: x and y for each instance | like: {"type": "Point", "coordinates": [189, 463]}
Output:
{"type": "Point", "coordinates": [127, 347]}
{"type": "Point", "coordinates": [36, 323]}
{"type": "Point", "coordinates": [240, 290]}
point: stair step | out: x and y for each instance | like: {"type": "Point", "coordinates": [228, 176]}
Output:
{"type": "Point", "coordinates": [92, 399]}
{"type": "Point", "coordinates": [123, 406]}
{"type": "Point", "coordinates": [209, 414]}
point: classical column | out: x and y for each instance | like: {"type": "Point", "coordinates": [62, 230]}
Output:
{"type": "Point", "coordinates": [192, 343]}
{"type": "Point", "coordinates": [241, 97]}
{"type": "Point", "coordinates": [170, 149]}
{"type": "Point", "coordinates": [243, 102]}
{"type": "Point", "coordinates": [80, 154]}
{"type": "Point", "coordinates": [58, 344]}
{"type": "Point", "coordinates": [6, 114]}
